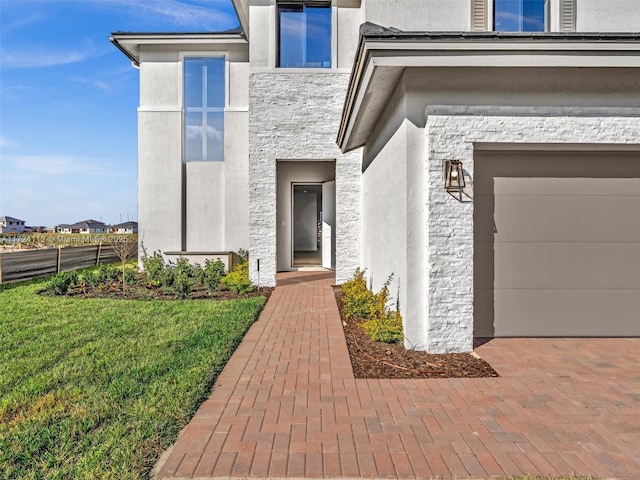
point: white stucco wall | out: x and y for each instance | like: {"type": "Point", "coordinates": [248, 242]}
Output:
{"type": "Point", "coordinates": [347, 33]}
{"type": "Point", "coordinates": [384, 222]}
{"type": "Point", "coordinates": [295, 116]}
{"type": "Point", "coordinates": [454, 132]}
{"type": "Point", "coordinates": [262, 18]}
{"type": "Point", "coordinates": [236, 180]}
{"type": "Point", "coordinates": [419, 15]}
{"type": "Point", "coordinates": [607, 16]}
{"type": "Point", "coordinates": [205, 207]}
{"type": "Point", "coordinates": [209, 199]}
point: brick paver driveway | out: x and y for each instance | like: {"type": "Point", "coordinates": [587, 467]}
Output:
{"type": "Point", "coordinates": [287, 405]}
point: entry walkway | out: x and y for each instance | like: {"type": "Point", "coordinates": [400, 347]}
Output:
{"type": "Point", "coordinates": [287, 405]}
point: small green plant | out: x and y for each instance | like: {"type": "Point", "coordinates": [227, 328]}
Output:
{"type": "Point", "coordinates": [358, 300]}
{"type": "Point", "coordinates": [155, 268]}
{"type": "Point", "coordinates": [387, 329]}
{"type": "Point", "coordinates": [107, 274]}
{"type": "Point", "coordinates": [182, 284]}
{"type": "Point", "coordinates": [62, 282]}
{"type": "Point", "coordinates": [238, 280]}
{"type": "Point", "coordinates": [381, 324]}
{"type": "Point", "coordinates": [213, 273]}
{"type": "Point", "coordinates": [88, 278]}
{"type": "Point", "coordinates": [243, 254]}
{"type": "Point", "coordinates": [198, 274]}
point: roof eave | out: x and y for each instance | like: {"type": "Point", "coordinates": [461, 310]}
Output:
{"type": "Point", "coordinates": [242, 12]}
{"type": "Point", "coordinates": [393, 49]}
{"type": "Point", "coordinates": [129, 43]}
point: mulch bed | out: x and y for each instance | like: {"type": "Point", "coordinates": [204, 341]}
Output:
{"type": "Point", "coordinates": [371, 359]}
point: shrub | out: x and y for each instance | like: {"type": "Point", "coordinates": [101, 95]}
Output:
{"type": "Point", "coordinates": [89, 278]}
{"type": "Point", "coordinates": [107, 274]}
{"type": "Point", "coordinates": [238, 280]}
{"type": "Point", "coordinates": [155, 268]}
{"type": "Point", "coordinates": [62, 282]}
{"type": "Point", "coordinates": [213, 273]}
{"type": "Point", "coordinates": [182, 284]}
{"type": "Point", "coordinates": [387, 329]}
{"type": "Point", "coordinates": [381, 324]}
{"type": "Point", "coordinates": [181, 278]}
{"type": "Point", "coordinates": [358, 300]}
{"type": "Point", "coordinates": [198, 274]}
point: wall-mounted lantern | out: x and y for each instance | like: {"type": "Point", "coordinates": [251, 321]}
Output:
{"type": "Point", "coordinates": [454, 178]}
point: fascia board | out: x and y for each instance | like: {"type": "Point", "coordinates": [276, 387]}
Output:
{"type": "Point", "coordinates": [130, 44]}
{"type": "Point", "coordinates": [242, 12]}
{"type": "Point", "coordinates": [380, 53]}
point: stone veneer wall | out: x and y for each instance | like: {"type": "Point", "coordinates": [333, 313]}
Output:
{"type": "Point", "coordinates": [454, 133]}
{"type": "Point", "coordinates": [295, 116]}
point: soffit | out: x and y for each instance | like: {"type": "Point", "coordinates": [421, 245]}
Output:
{"type": "Point", "coordinates": [129, 43]}
{"type": "Point", "coordinates": [384, 55]}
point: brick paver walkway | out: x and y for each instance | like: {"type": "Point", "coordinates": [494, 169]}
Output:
{"type": "Point", "coordinates": [287, 405]}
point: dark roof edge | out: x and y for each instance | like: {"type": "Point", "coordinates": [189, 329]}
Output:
{"type": "Point", "coordinates": [370, 30]}
{"type": "Point", "coordinates": [232, 31]}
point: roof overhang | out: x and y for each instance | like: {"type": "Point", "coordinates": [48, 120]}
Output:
{"type": "Point", "coordinates": [130, 43]}
{"type": "Point", "coordinates": [383, 55]}
{"type": "Point", "coordinates": [242, 11]}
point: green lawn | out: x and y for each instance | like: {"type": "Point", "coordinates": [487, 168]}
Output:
{"type": "Point", "coordinates": [100, 388]}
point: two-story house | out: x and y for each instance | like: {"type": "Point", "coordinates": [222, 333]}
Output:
{"type": "Point", "coordinates": [11, 225]}
{"type": "Point", "coordinates": [485, 152]}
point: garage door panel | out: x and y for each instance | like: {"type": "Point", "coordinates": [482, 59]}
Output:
{"type": "Point", "coordinates": [567, 313]}
{"type": "Point", "coordinates": [567, 186]}
{"type": "Point", "coordinates": [557, 244]}
{"type": "Point", "coordinates": [566, 219]}
{"type": "Point", "coordinates": [558, 265]}
{"type": "Point", "coordinates": [573, 172]}
{"type": "Point", "coordinates": [556, 186]}
{"type": "Point", "coordinates": [483, 314]}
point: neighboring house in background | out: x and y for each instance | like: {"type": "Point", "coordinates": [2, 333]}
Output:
{"type": "Point", "coordinates": [522, 99]}
{"type": "Point", "coordinates": [84, 227]}
{"type": "Point", "coordinates": [11, 225]}
{"type": "Point", "coordinates": [126, 228]}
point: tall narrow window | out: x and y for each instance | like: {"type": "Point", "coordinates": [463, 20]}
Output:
{"type": "Point", "coordinates": [519, 15]}
{"type": "Point", "coordinates": [204, 102]}
{"type": "Point", "coordinates": [304, 35]}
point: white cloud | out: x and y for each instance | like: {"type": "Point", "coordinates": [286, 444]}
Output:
{"type": "Point", "coordinates": [5, 142]}
{"type": "Point", "coordinates": [196, 15]}
{"type": "Point", "coordinates": [56, 165]}
{"type": "Point", "coordinates": [99, 84]}
{"type": "Point", "coordinates": [42, 57]}
{"type": "Point", "coordinates": [195, 131]}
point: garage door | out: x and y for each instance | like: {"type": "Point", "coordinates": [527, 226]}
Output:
{"type": "Point", "coordinates": [557, 244]}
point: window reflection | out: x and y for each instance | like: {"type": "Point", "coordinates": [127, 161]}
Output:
{"type": "Point", "coordinates": [519, 15]}
{"type": "Point", "coordinates": [304, 36]}
{"type": "Point", "coordinates": [204, 102]}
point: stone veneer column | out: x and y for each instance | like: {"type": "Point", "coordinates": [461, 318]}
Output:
{"type": "Point", "coordinates": [454, 133]}
{"type": "Point", "coordinates": [295, 116]}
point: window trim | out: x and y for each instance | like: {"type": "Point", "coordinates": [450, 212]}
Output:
{"type": "Point", "coordinates": [333, 39]}
{"type": "Point", "coordinates": [560, 16]}
{"type": "Point", "coordinates": [182, 56]}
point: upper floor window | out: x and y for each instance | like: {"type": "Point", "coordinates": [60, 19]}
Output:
{"type": "Point", "coordinates": [204, 102]}
{"type": "Point", "coordinates": [304, 39]}
{"type": "Point", "coordinates": [519, 15]}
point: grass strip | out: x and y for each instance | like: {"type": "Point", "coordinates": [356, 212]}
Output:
{"type": "Point", "coordinates": [96, 388]}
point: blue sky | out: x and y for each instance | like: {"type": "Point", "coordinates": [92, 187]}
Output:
{"type": "Point", "coordinates": [68, 99]}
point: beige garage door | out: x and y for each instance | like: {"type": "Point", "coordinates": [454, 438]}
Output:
{"type": "Point", "coordinates": [557, 244]}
